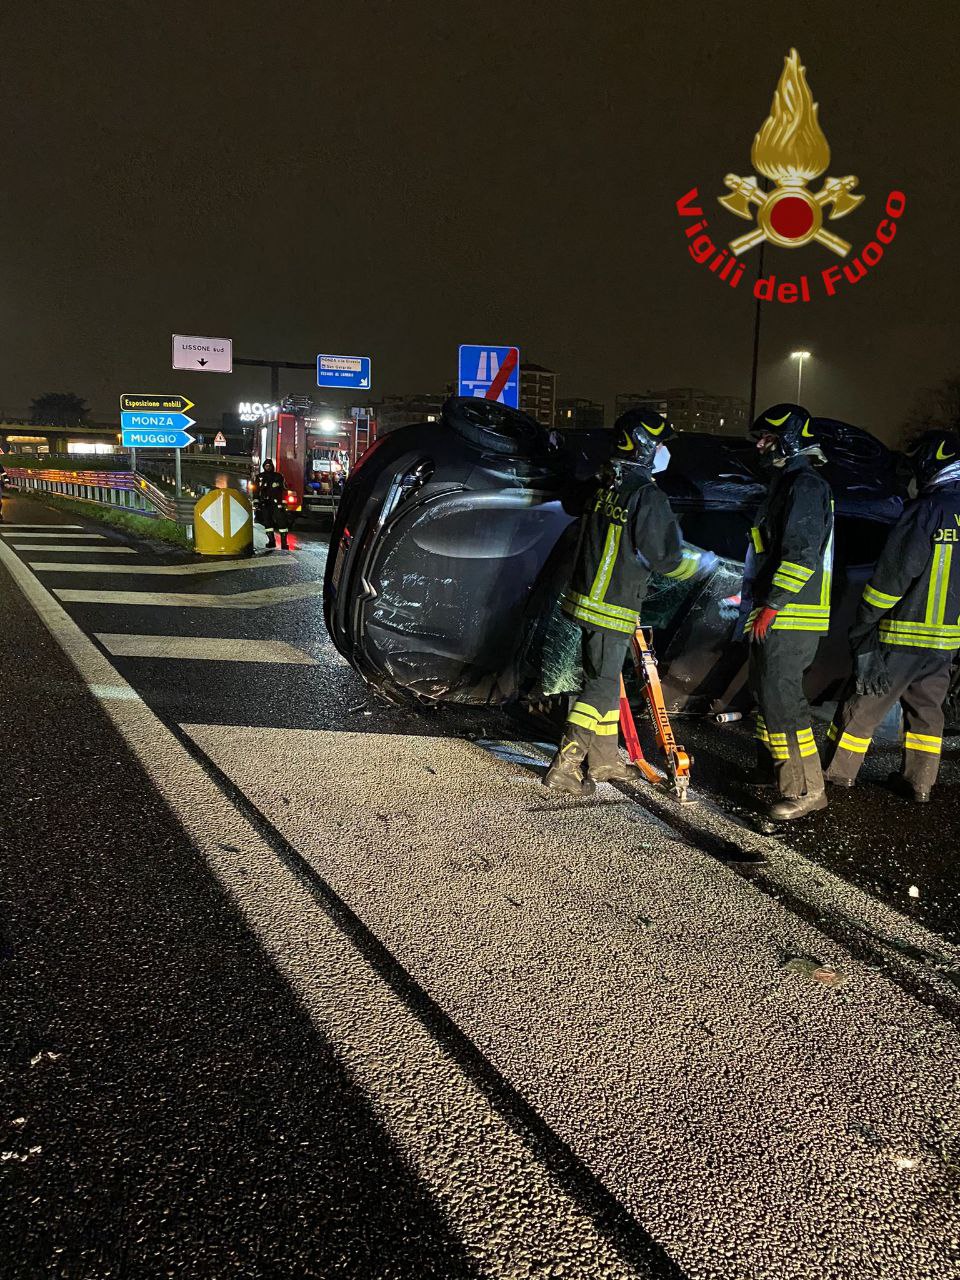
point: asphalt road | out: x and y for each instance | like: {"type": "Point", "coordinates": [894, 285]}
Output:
{"type": "Point", "coordinates": [302, 985]}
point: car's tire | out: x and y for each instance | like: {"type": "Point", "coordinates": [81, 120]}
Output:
{"type": "Point", "coordinates": [494, 427]}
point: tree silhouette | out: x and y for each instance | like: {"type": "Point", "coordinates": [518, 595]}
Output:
{"type": "Point", "coordinates": [58, 409]}
{"type": "Point", "coordinates": [935, 407]}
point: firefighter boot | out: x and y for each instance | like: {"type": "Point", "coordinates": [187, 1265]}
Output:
{"type": "Point", "coordinates": [815, 797]}
{"type": "Point", "coordinates": [564, 773]}
{"type": "Point", "coordinates": [904, 787]}
{"type": "Point", "coordinates": [604, 763]}
{"type": "Point", "coordinates": [283, 541]}
{"type": "Point", "coordinates": [271, 541]}
{"type": "Point", "coordinates": [619, 771]}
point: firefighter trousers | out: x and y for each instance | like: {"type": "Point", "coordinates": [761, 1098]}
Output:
{"type": "Point", "coordinates": [276, 519]}
{"type": "Point", "coordinates": [786, 750]}
{"type": "Point", "coordinates": [593, 725]}
{"type": "Point", "coordinates": [920, 682]}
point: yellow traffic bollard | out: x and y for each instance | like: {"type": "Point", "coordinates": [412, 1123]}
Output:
{"type": "Point", "coordinates": [223, 524]}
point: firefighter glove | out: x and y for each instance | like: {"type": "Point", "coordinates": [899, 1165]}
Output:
{"type": "Point", "coordinates": [762, 623]}
{"type": "Point", "coordinates": [871, 675]}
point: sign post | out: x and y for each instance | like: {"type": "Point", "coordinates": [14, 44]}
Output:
{"type": "Point", "coordinates": [490, 373]}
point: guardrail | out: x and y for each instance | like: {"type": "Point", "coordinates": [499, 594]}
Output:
{"type": "Point", "coordinates": [127, 490]}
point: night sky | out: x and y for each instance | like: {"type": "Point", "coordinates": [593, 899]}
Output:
{"type": "Point", "coordinates": [395, 179]}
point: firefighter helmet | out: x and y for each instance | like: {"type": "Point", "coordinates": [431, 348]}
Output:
{"type": "Point", "coordinates": [932, 452]}
{"type": "Point", "coordinates": [637, 435]}
{"type": "Point", "coordinates": [789, 430]}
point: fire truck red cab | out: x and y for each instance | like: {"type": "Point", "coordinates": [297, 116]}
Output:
{"type": "Point", "coordinates": [314, 451]}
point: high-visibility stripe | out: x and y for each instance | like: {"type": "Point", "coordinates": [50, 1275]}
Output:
{"type": "Point", "coordinates": [821, 625]}
{"type": "Point", "coordinates": [939, 583]}
{"type": "Point", "coordinates": [923, 742]}
{"type": "Point", "coordinates": [808, 749]}
{"type": "Point", "coordinates": [879, 599]}
{"type": "Point", "coordinates": [606, 617]}
{"type": "Point", "coordinates": [920, 635]}
{"type": "Point", "coordinates": [761, 730]}
{"type": "Point", "coordinates": [804, 735]}
{"type": "Point", "coordinates": [783, 580]}
{"type": "Point", "coordinates": [779, 752]}
{"type": "Point", "coordinates": [827, 568]}
{"type": "Point", "coordinates": [796, 570]}
{"type": "Point", "coordinates": [585, 709]}
{"type": "Point", "coordinates": [607, 561]}
{"type": "Point", "coordinates": [606, 730]}
{"type": "Point", "coordinates": [849, 743]}
{"type": "Point", "coordinates": [833, 733]}
{"type": "Point", "coordinates": [582, 722]}
{"type": "Point", "coordinates": [756, 539]}
{"type": "Point", "coordinates": [687, 566]}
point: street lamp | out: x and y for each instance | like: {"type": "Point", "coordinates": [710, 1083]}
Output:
{"type": "Point", "coordinates": [799, 356]}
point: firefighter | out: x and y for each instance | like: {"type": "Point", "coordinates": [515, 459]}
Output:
{"type": "Point", "coordinates": [271, 489]}
{"type": "Point", "coordinates": [786, 600]}
{"type": "Point", "coordinates": [626, 532]}
{"type": "Point", "coordinates": [907, 632]}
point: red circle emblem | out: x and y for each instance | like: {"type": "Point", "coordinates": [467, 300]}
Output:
{"type": "Point", "coordinates": [791, 218]}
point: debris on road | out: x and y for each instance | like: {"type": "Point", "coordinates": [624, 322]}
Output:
{"type": "Point", "coordinates": [827, 975]}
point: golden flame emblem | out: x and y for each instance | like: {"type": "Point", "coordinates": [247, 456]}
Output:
{"type": "Point", "coordinates": [790, 150]}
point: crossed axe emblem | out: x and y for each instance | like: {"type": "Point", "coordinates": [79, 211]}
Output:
{"type": "Point", "coordinates": [835, 196]}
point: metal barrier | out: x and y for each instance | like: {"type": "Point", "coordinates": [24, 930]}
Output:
{"type": "Point", "coordinates": [128, 490]}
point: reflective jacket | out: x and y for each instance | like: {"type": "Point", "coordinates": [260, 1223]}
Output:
{"type": "Point", "coordinates": [913, 595]}
{"type": "Point", "coordinates": [626, 532]}
{"type": "Point", "coordinates": [790, 560]}
{"type": "Point", "coordinates": [271, 486]}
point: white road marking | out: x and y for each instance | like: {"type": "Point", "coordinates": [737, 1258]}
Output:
{"type": "Point", "coordinates": [56, 527]}
{"type": "Point", "coordinates": [161, 570]}
{"type": "Point", "coordinates": [87, 551]}
{"type": "Point", "coordinates": [201, 600]}
{"type": "Point", "coordinates": [511, 1213]}
{"type": "Point", "coordinates": [207, 649]}
{"type": "Point", "coordinates": [158, 570]}
{"type": "Point", "coordinates": [91, 537]}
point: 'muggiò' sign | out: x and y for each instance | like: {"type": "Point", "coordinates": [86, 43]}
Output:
{"type": "Point", "coordinates": [790, 151]}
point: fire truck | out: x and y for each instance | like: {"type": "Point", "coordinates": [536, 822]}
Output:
{"type": "Point", "coordinates": [314, 449]}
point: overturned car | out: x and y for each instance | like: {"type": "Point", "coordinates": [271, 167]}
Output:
{"type": "Point", "coordinates": [454, 541]}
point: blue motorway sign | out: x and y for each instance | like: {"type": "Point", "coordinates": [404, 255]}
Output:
{"type": "Point", "coordinates": [155, 430]}
{"type": "Point", "coordinates": [492, 373]}
{"type": "Point", "coordinates": [349, 372]}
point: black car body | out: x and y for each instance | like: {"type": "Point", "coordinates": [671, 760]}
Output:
{"type": "Point", "coordinates": [453, 542]}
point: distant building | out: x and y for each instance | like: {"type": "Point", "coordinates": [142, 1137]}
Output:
{"type": "Point", "coordinates": [401, 411]}
{"type": "Point", "coordinates": [691, 409]}
{"type": "Point", "coordinates": [538, 393]}
{"type": "Point", "coordinates": [580, 415]}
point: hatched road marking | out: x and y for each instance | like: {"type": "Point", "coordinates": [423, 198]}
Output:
{"type": "Point", "coordinates": [87, 551]}
{"type": "Point", "coordinates": [208, 649]}
{"type": "Point", "coordinates": [91, 537]}
{"type": "Point", "coordinates": [201, 600]}
{"type": "Point", "coordinates": [163, 570]}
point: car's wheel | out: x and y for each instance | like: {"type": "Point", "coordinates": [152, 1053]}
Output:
{"type": "Point", "coordinates": [493, 426]}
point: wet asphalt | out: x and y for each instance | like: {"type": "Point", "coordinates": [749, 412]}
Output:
{"type": "Point", "coordinates": [172, 1108]}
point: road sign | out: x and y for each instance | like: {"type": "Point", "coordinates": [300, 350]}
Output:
{"type": "Point", "coordinates": [219, 440]}
{"type": "Point", "coordinates": [203, 355]}
{"type": "Point", "coordinates": [491, 373]}
{"type": "Point", "coordinates": [348, 372]}
{"type": "Point", "coordinates": [152, 430]}
{"type": "Point", "coordinates": [155, 401]}
{"type": "Point", "coordinates": [223, 523]}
